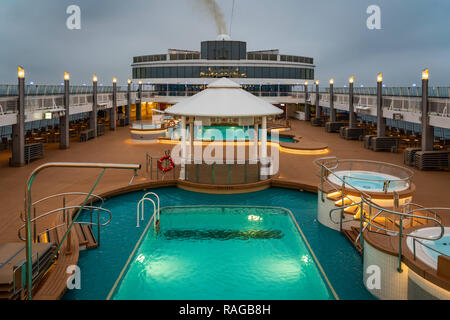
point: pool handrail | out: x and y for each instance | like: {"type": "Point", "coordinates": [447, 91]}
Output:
{"type": "Point", "coordinates": [156, 208]}
{"type": "Point", "coordinates": [28, 206]}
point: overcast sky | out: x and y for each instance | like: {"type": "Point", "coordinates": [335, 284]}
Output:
{"type": "Point", "coordinates": [414, 35]}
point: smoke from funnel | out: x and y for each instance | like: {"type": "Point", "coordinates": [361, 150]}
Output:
{"type": "Point", "coordinates": [214, 10]}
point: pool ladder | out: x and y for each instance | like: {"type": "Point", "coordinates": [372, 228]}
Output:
{"type": "Point", "coordinates": [156, 209]}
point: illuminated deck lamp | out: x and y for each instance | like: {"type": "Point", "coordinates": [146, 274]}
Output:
{"type": "Point", "coordinates": [425, 74]}
{"type": "Point", "coordinates": [351, 80]}
{"type": "Point", "coordinates": [94, 78]}
{"type": "Point", "coordinates": [380, 77]}
{"type": "Point", "coordinates": [20, 72]}
{"type": "Point", "coordinates": [317, 82]}
{"type": "Point", "coordinates": [331, 81]}
{"type": "Point", "coordinates": [66, 76]}
{"type": "Point", "coordinates": [129, 81]}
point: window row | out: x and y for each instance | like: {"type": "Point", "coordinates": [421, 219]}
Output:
{"type": "Point", "coordinates": [223, 71]}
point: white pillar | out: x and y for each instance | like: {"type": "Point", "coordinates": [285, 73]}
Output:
{"type": "Point", "coordinates": [191, 139]}
{"type": "Point", "coordinates": [264, 138]}
{"type": "Point", "coordinates": [183, 148]}
{"type": "Point", "coordinates": [255, 146]}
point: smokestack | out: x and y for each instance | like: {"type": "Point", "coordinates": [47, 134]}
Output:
{"type": "Point", "coordinates": [216, 13]}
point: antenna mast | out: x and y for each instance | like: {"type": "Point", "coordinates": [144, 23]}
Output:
{"type": "Point", "coordinates": [232, 14]}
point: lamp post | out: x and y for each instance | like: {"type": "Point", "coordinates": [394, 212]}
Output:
{"type": "Point", "coordinates": [318, 113]}
{"type": "Point", "coordinates": [307, 111]}
{"type": "Point", "coordinates": [332, 110]}
{"type": "Point", "coordinates": [427, 130]}
{"type": "Point", "coordinates": [381, 121]}
{"type": "Point", "coordinates": [18, 134]}
{"type": "Point", "coordinates": [93, 117]}
{"type": "Point", "coordinates": [138, 103]}
{"type": "Point", "coordinates": [351, 109]}
{"type": "Point", "coordinates": [113, 112]}
{"type": "Point", "coordinates": [64, 121]}
{"type": "Point", "coordinates": [128, 106]}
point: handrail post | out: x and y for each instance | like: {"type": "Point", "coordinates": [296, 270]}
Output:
{"type": "Point", "coordinates": [400, 235]}
{"type": "Point", "coordinates": [361, 218]}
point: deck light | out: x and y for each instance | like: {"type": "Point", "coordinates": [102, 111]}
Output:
{"type": "Point", "coordinates": [380, 77]}
{"type": "Point", "coordinates": [129, 81]}
{"type": "Point", "coordinates": [114, 80]}
{"type": "Point", "coordinates": [94, 78]}
{"type": "Point", "coordinates": [66, 76]}
{"type": "Point", "coordinates": [306, 83]}
{"type": "Point", "coordinates": [352, 79]}
{"type": "Point", "coordinates": [21, 72]}
{"type": "Point", "coordinates": [425, 74]}
{"type": "Point", "coordinates": [317, 82]}
{"type": "Point", "coordinates": [331, 81]}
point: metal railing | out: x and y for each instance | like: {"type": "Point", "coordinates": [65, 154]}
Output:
{"type": "Point", "coordinates": [393, 220]}
{"type": "Point", "coordinates": [29, 208]}
{"type": "Point", "coordinates": [156, 209]}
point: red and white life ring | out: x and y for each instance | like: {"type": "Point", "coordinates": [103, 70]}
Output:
{"type": "Point", "coordinates": [172, 123]}
{"type": "Point", "coordinates": [166, 169]}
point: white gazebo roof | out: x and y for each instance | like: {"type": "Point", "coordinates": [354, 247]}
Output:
{"type": "Point", "coordinates": [224, 98]}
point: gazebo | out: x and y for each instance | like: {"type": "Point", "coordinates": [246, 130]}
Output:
{"type": "Point", "coordinates": [224, 102]}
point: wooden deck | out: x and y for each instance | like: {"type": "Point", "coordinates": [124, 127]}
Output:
{"type": "Point", "coordinates": [296, 171]}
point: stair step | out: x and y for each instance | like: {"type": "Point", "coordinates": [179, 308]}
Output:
{"type": "Point", "coordinates": [347, 201]}
{"type": "Point", "coordinates": [352, 209]}
{"type": "Point", "coordinates": [91, 241]}
{"type": "Point", "coordinates": [334, 195]}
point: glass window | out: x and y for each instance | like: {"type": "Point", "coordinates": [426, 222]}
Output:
{"type": "Point", "coordinates": [258, 72]}
{"type": "Point", "coordinates": [250, 72]}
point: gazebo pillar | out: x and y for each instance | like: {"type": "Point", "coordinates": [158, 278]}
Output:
{"type": "Point", "coordinates": [256, 145]}
{"type": "Point", "coordinates": [183, 148]}
{"type": "Point", "coordinates": [264, 138]}
{"type": "Point", "coordinates": [191, 138]}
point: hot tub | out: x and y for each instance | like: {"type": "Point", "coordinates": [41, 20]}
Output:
{"type": "Point", "coordinates": [369, 180]}
{"type": "Point", "coordinates": [425, 249]}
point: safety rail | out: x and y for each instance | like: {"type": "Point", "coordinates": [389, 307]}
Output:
{"type": "Point", "coordinates": [29, 206]}
{"type": "Point", "coordinates": [371, 222]}
{"type": "Point", "coordinates": [427, 246]}
{"type": "Point", "coordinates": [156, 209]}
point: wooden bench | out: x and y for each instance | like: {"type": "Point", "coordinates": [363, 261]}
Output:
{"type": "Point", "coordinates": [86, 135]}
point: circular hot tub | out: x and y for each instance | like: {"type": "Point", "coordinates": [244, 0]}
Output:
{"type": "Point", "coordinates": [368, 181]}
{"type": "Point", "coordinates": [428, 251]}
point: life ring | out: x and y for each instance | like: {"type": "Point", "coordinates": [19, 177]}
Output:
{"type": "Point", "coordinates": [172, 123]}
{"type": "Point", "coordinates": [169, 168]}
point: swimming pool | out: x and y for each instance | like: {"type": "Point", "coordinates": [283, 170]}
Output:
{"type": "Point", "coordinates": [369, 181]}
{"type": "Point", "coordinates": [223, 253]}
{"type": "Point", "coordinates": [101, 267]}
{"type": "Point", "coordinates": [227, 133]}
{"type": "Point", "coordinates": [428, 253]}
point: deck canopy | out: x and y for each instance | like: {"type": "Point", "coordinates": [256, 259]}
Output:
{"type": "Point", "coordinates": [224, 98]}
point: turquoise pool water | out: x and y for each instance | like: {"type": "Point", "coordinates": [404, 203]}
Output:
{"type": "Point", "coordinates": [441, 245]}
{"type": "Point", "coordinates": [221, 133]}
{"type": "Point", "coordinates": [101, 267]}
{"type": "Point", "coordinates": [223, 253]}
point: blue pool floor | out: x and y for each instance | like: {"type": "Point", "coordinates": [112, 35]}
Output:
{"type": "Point", "coordinates": [101, 267]}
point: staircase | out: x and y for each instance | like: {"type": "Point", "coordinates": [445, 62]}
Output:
{"type": "Point", "coordinates": [13, 264]}
{"type": "Point", "coordinates": [86, 237]}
